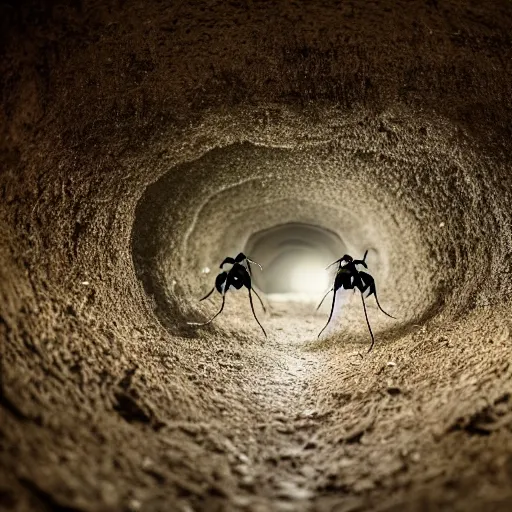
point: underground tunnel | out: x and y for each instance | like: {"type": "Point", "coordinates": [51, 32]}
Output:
{"type": "Point", "coordinates": [144, 142]}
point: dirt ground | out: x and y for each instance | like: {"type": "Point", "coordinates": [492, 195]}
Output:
{"type": "Point", "coordinates": [141, 142]}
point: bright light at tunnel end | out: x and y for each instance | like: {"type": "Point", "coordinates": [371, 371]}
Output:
{"type": "Point", "coordinates": [309, 280]}
{"type": "Point", "coordinates": [307, 283]}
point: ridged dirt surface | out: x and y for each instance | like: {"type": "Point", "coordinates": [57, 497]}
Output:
{"type": "Point", "coordinates": [142, 141]}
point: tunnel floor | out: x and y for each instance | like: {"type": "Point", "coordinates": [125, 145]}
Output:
{"type": "Point", "coordinates": [295, 423]}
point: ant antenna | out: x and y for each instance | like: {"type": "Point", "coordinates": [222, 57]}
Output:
{"type": "Point", "coordinates": [255, 262]}
{"type": "Point", "coordinates": [333, 263]}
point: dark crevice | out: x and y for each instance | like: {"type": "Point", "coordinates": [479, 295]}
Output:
{"type": "Point", "coordinates": [48, 500]}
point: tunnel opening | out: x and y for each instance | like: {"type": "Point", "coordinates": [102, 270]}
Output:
{"type": "Point", "coordinates": [231, 199]}
{"type": "Point", "coordinates": [294, 257]}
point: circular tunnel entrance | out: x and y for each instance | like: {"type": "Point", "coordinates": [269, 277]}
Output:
{"type": "Point", "coordinates": [284, 208]}
{"type": "Point", "coordinates": [294, 257]}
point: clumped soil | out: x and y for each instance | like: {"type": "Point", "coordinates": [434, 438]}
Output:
{"type": "Point", "coordinates": [141, 142]}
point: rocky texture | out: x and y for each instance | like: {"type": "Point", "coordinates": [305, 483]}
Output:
{"type": "Point", "coordinates": [142, 141]}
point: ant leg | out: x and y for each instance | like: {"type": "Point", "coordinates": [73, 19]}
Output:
{"type": "Point", "coordinates": [378, 305]}
{"type": "Point", "coordinates": [259, 298]}
{"type": "Point", "coordinates": [213, 317]}
{"type": "Point", "coordinates": [254, 314]}
{"type": "Point", "coordinates": [368, 324]}
{"type": "Point", "coordinates": [373, 291]}
{"type": "Point", "coordinates": [330, 315]}
{"type": "Point", "coordinates": [209, 293]}
{"type": "Point", "coordinates": [323, 298]}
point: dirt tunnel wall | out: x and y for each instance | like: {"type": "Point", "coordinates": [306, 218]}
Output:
{"type": "Point", "coordinates": [141, 143]}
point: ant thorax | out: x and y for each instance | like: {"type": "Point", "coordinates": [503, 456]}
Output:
{"type": "Point", "coordinates": [227, 267]}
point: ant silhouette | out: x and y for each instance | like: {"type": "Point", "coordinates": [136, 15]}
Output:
{"type": "Point", "coordinates": [237, 276]}
{"type": "Point", "coordinates": [350, 278]}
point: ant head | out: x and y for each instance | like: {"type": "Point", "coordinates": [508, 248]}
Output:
{"type": "Point", "coordinates": [241, 257]}
{"type": "Point", "coordinates": [345, 259]}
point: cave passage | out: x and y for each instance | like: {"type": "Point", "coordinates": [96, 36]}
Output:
{"type": "Point", "coordinates": [142, 143]}
{"type": "Point", "coordinates": [295, 256]}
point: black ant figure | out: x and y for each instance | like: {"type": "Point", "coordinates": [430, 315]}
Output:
{"type": "Point", "coordinates": [237, 276]}
{"type": "Point", "coordinates": [349, 278]}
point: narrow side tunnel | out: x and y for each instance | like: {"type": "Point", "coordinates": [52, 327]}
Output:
{"type": "Point", "coordinates": [142, 143]}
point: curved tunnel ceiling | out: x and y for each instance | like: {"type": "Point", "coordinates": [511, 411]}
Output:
{"type": "Point", "coordinates": [142, 142]}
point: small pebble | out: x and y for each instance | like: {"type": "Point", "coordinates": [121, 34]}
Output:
{"type": "Point", "coordinates": [363, 485]}
{"type": "Point", "coordinates": [285, 430]}
{"type": "Point", "coordinates": [248, 481]}
{"type": "Point", "coordinates": [134, 505]}
{"type": "Point", "coordinates": [243, 458]}
{"type": "Point", "coordinates": [292, 491]}
{"type": "Point", "coordinates": [308, 471]}
{"type": "Point", "coordinates": [241, 469]}
{"type": "Point", "coordinates": [415, 457]}
{"type": "Point", "coordinates": [292, 453]}
{"type": "Point", "coordinates": [241, 501]}
{"type": "Point", "coordinates": [308, 413]}
{"type": "Point", "coordinates": [345, 462]}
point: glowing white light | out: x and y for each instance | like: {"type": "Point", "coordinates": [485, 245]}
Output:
{"type": "Point", "coordinates": [309, 279]}
{"type": "Point", "coordinates": [206, 270]}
